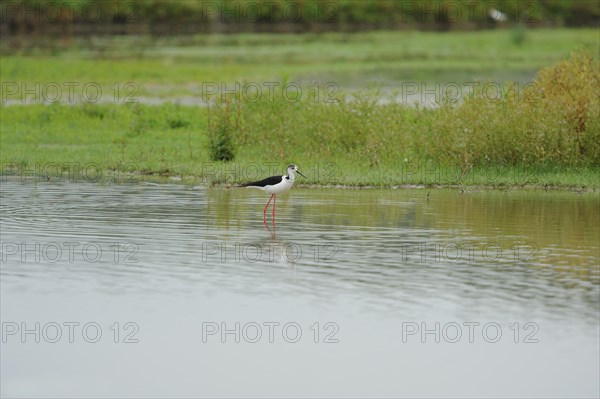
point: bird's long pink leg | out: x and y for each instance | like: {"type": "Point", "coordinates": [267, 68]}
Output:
{"type": "Point", "coordinates": [265, 210]}
{"type": "Point", "coordinates": [274, 206]}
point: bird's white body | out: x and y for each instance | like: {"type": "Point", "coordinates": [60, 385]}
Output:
{"type": "Point", "coordinates": [275, 185]}
{"type": "Point", "coordinates": [284, 185]}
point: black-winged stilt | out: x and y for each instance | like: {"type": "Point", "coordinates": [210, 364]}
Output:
{"type": "Point", "coordinates": [275, 185]}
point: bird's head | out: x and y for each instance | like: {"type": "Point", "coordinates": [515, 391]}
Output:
{"type": "Point", "coordinates": [293, 169]}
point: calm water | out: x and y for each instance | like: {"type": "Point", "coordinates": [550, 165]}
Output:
{"type": "Point", "coordinates": [144, 289]}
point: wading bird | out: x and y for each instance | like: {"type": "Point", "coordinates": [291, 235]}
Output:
{"type": "Point", "coordinates": [275, 185]}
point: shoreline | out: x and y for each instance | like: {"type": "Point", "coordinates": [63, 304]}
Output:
{"type": "Point", "coordinates": [196, 181]}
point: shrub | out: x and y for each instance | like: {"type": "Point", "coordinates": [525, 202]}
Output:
{"type": "Point", "coordinates": [222, 122]}
{"type": "Point", "coordinates": [554, 121]}
{"type": "Point", "coordinates": [571, 89]}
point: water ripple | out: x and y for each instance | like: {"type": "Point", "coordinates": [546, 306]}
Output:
{"type": "Point", "coordinates": [392, 251]}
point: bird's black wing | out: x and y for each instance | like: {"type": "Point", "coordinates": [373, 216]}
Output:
{"type": "Point", "coordinates": [269, 181]}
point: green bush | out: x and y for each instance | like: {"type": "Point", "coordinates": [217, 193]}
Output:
{"type": "Point", "coordinates": [222, 123]}
{"type": "Point", "coordinates": [554, 121]}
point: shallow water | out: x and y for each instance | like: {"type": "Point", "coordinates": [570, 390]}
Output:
{"type": "Point", "coordinates": [351, 292]}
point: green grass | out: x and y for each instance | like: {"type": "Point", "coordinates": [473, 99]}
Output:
{"type": "Point", "coordinates": [549, 137]}
{"type": "Point", "coordinates": [170, 140]}
{"type": "Point", "coordinates": [171, 67]}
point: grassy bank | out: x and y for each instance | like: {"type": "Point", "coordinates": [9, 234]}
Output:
{"type": "Point", "coordinates": [546, 133]}
{"type": "Point", "coordinates": [550, 139]}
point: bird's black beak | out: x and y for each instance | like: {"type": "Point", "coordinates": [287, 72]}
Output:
{"type": "Point", "coordinates": [301, 174]}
